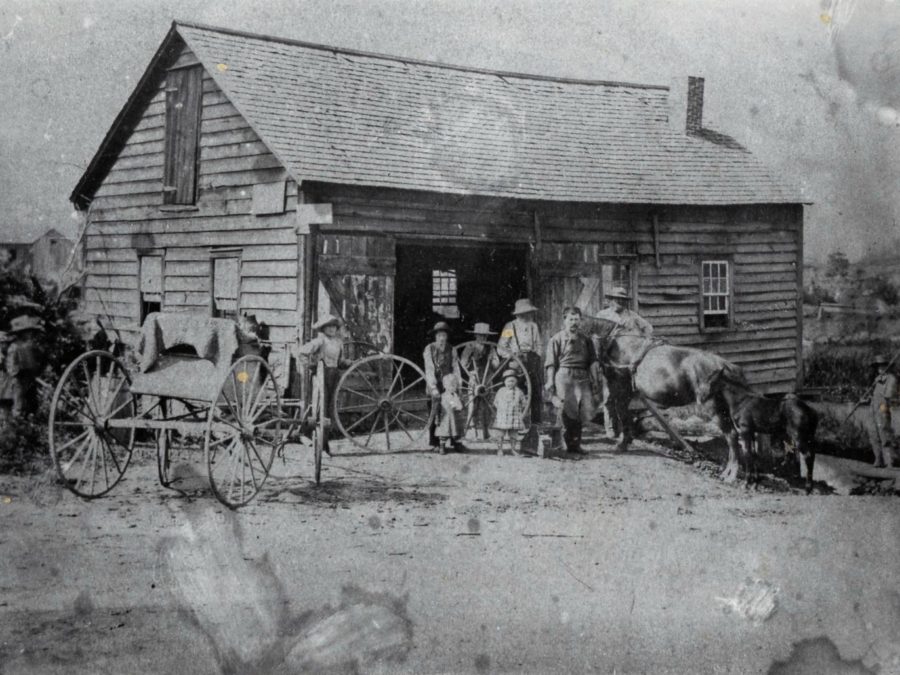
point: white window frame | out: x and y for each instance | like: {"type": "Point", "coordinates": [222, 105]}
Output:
{"type": "Point", "coordinates": [717, 286]}
{"type": "Point", "coordinates": [444, 289]}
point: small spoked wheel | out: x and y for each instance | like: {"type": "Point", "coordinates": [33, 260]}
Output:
{"type": "Point", "coordinates": [243, 431]}
{"type": "Point", "coordinates": [90, 454]}
{"type": "Point", "coordinates": [381, 403]}
{"type": "Point", "coordinates": [482, 369]}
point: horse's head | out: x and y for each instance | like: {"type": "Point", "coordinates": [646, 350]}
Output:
{"type": "Point", "coordinates": [601, 333]}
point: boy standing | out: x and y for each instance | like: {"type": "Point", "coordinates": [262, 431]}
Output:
{"type": "Point", "coordinates": [510, 405]}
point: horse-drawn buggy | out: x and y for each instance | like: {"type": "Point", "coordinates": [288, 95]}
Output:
{"type": "Point", "coordinates": [200, 384]}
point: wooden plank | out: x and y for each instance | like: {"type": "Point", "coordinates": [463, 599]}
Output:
{"type": "Point", "coordinates": [112, 282]}
{"type": "Point", "coordinates": [193, 268]}
{"type": "Point", "coordinates": [212, 139]}
{"type": "Point", "coordinates": [222, 238]}
{"type": "Point", "coordinates": [268, 300]}
{"type": "Point", "coordinates": [356, 265]}
{"type": "Point", "coordinates": [198, 299]}
{"type": "Point", "coordinates": [249, 253]}
{"type": "Point", "coordinates": [285, 284]}
{"type": "Point", "coordinates": [179, 283]}
{"type": "Point", "coordinates": [281, 268]}
{"type": "Point", "coordinates": [241, 149]}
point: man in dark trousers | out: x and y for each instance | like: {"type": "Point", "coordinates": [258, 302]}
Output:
{"type": "Point", "coordinates": [573, 374]}
{"type": "Point", "coordinates": [24, 362]}
{"type": "Point", "coordinates": [440, 360]}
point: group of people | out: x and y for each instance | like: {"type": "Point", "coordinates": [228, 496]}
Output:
{"type": "Point", "coordinates": [566, 373]}
{"type": "Point", "coordinates": [21, 362]}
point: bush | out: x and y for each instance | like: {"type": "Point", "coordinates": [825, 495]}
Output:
{"type": "Point", "coordinates": [844, 370]}
{"type": "Point", "coordinates": [838, 436]}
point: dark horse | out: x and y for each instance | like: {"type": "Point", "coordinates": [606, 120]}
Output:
{"type": "Point", "coordinates": [788, 420]}
{"type": "Point", "coordinates": [668, 376]}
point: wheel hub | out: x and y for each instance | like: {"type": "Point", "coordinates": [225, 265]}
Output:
{"type": "Point", "coordinates": [385, 404]}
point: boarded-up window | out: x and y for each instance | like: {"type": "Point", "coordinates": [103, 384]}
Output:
{"type": "Point", "coordinates": [443, 293]}
{"type": "Point", "coordinates": [151, 284]}
{"type": "Point", "coordinates": [184, 90]}
{"type": "Point", "coordinates": [715, 280]}
{"type": "Point", "coordinates": [226, 282]}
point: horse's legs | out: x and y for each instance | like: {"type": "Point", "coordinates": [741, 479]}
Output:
{"type": "Point", "coordinates": [748, 455]}
{"type": "Point", "coordinates": [807, 455]}
{"type": "Point", "coordinates": [730, 472]}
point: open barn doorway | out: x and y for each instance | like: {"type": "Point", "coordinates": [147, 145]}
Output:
{"type": "Point", "coordinates": [459, 283]}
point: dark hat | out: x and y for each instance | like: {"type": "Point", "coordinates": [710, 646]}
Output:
{"type": "Point", "coordinates": [509, 372]}
{"type": "Point", "coordinates": [524, 306]}
{"type": "Point", "coordinates": [879, 360]}
{"type": "Point", "coordinates": [440, 326]}
{"type": "Point", "coordinates": [25, 322]}
{"type": "Point", "coordinates": [327, 320]}
{"type": "Point", "coordinates": [482, 329]}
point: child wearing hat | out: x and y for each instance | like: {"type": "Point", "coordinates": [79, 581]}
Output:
{"type": "Point", "coordinates": [451, 424]}
{"type": "Point", "coordinates": [479, 359]}
{"type": "Point", "coordinates": [24, 362]}
{"type": "Point", "coordinates": [440, 360]}
{"type": "Point", "coordinates": [510, 404]}
{"type": "Point", "coordinates": [521, 337]}
{"type": "Point", "coordinates": [328, 347]}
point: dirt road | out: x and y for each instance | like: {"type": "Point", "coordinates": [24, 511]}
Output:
{"type": "Point", "coordinates": [464, 563]}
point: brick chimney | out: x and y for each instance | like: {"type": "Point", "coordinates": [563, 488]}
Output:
{"type": "Point", "coordinates": [694, 120]}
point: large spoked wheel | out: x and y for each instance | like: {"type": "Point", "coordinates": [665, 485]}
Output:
{"type": "Point", "coordinates": [353, 350]}
{"type": "Point", "coordinates": [482, 370]}
{"type": "Point", "coordinates": [243, 431]}
{"type": "Point", "coordinates": [381, 403]}
{"type": "Point", "coordinates": [90, 456]}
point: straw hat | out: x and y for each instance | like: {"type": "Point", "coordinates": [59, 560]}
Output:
{"type": "Point", "coordinates": [617, 292]}
{"type": "Point", "coordinates": [524, 306]}
{"type": "Point", "coordinates": [482, 329]}
{"type": "Point", "coordinates": [509, 373]}
{"type": "Point", "coordinates": [327, 320]}
{"type": "Point", "coordinates": [440, 326]}
{"type": "Point", "coordinates": [24, 322]}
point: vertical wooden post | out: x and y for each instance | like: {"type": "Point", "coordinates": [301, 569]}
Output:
{"type": "Point", "coordinates": [798, 222]}
{"type": "Point", "coordinates": [534, 281]}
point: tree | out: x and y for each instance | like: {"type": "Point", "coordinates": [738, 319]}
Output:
{"type": "Point", "coordinates": [837, 265]}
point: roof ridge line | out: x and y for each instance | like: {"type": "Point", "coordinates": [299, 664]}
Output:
{"type": "Point", "coordinates": [420, 62]}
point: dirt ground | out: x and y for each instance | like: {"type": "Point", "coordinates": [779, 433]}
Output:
{"type": "Point", "coordinates": [414, 562]}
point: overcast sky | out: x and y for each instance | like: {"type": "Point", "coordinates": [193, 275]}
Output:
{"type": "Point", "coordinates": [810, 86]}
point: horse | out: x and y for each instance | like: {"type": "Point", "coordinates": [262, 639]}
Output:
{"type": "Point", "coordinates": [788, 420]}
{"type": "Point", "coordinates": [666, 375]}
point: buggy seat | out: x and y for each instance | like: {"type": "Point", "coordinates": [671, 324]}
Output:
{"type": "Point", "coordinates": [187, 356]}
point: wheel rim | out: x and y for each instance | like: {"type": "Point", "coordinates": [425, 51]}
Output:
{"type": "Point", "coordinates": [90, 457]}
{"type": "Point", "coordinates": [381, 404]}
{"type": "Point", "coordinates": [243, 431]}
{"type": "Point", "coordinates": [481, 382]}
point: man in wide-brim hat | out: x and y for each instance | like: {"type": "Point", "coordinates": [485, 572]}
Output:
{"type": "Point", "coordinates": [884, 399]}
{"type": "Point", "coordinates": [521, 338]}
{"type": "Point", "coordinates": [328, 347]}
{"type": "Point", "coordinates": [479, 359]}
{"type": "Point", "coordinates": [440, 360]}
{"type": "Point", "coordinates": [627, 322]}
{"type": "Point", "coordinates": [24, 363]}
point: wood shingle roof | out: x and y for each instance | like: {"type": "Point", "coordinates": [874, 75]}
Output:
{"type": "Point", "coordinates": [339, 116]}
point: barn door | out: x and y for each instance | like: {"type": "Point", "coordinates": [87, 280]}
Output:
{"type": "Point", "coordinates": [572, 274]}
{"type": "Point", "coordinates": [356, 283]}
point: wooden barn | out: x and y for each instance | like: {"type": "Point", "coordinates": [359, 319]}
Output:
{"type": "Point", "coordinates": [252, 174]}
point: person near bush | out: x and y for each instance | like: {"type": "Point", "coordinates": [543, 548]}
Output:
{"type": "Point", "coordinates": [24, 362]}
{"type": "Point", "coordinates": [884, 397]}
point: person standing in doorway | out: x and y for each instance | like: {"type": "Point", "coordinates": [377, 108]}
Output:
{"type": "Point", "coordinates": [627, 322]}
{"type": "Point", "coordinates": [573, 373]}
{"type": "Point", "coordinates": [439, 360]}
{"type": "Point", "coordinates": [521, 338]}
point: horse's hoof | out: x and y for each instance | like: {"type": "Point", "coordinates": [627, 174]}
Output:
{"type": "Point", "coordinates": [621, 447]}
{"type": "Point", "coordinates": [729, 475]}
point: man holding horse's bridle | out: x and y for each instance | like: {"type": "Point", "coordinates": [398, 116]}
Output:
{"type": "Point", "coordinates": [573, 374]}
{"type": "Point", "coordinates": [627, 322]}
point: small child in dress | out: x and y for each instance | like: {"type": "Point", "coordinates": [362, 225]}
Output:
{"type": "Point", "coordinates": [510, 405]}
{"type": "Point", "coordinates": [451, 423]}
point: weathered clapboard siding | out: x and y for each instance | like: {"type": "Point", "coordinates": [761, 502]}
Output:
{"type": "Point", "coordinates": [128, 216]}
{"type": "Point", "coordinates": [762, 244]}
